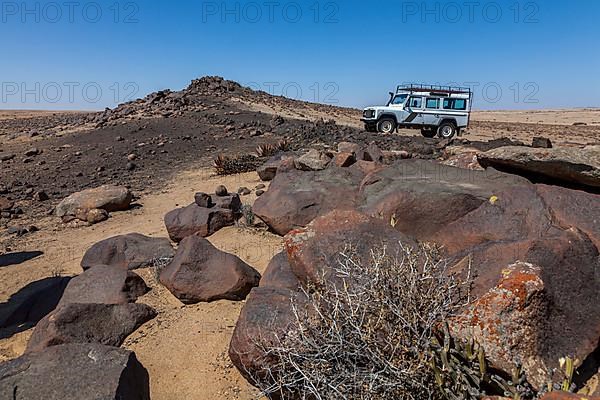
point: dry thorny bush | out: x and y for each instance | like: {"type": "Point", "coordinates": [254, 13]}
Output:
{"type": "Point", "coordinates": [374, 333]}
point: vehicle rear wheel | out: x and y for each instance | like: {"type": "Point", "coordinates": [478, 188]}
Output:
{"type": "Point", "coordinates": [386, 125]}
{"type": "Point", "coordinates": [428, 133]}
{"type": "Point", "coordinates": [446, 130]}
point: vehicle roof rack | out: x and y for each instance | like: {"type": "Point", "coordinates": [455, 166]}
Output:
{"type": "Point", "coordinates": [438, 89]}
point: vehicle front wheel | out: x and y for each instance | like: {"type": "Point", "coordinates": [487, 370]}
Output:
{"type": "Point", "coordinates": [386, 125]}
{"type": "Point", "coordinates": [447, 130]}
{"type": "Point", "coordinates": [428, 133]}
{"type": "Point", "coordinates": [371, 127]}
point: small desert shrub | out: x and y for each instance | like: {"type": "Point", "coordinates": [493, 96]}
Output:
{"type": "Point", "coordinates": [270, 149]}
{"type": "Point", "coordinates": [158, 265]}
{"type": "Point", "coordinates": [248, 215]}
{"type": "Point", "coordinates": [235, 165]}
{"type": "Point", "coordinates": [380, 333]}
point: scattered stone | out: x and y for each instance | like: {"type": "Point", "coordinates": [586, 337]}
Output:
{"type": "Point", "coordinates": [75, 372]}
{"type": "Point", "coordinates": [32, 152]}
{"type": "Point", "coordinates": [259, 192]}
{"type": "Point", "coordinates": [268, 170]}
{"type": "Point", "coordinates": [109, 198]}
{"type": "Point", "coordinates": [344, 159]}
{"type": "Point", "coordinates": [221, 191]}
{"type": "Point", "coordinates": [260, 186]}
{"type": "Point", "coordinates": [244, 191]}
{"type": "Point", "coordinates": [229, 201]}
{"type": "Point", "coordinates": [202, 273]}
{"type": "Point", "coordinates": [107, 324]}
{"type": "Point", "coordinates": [6, 157]}
{"type": "Point", "coordinates": [314, 160]}
{"type": "Point", "coordinates": [95, 216]}
{"type": "Point", "coordinates": [130, 166]}
{"type": "Point", "coordinates": [541, 142]}
{"type": "Point", "coordinates": [203, 200]}
{"type": "Point", "coordinates": [131, 251]}
{"type": "Point", "coordinates": [41, 196]}
{"type": "Point", "coordinates": [131, 157]}
{"type": "Point", "coordinates": [193, 219]}
{"type": "Point", "coordinates": [6, 204]}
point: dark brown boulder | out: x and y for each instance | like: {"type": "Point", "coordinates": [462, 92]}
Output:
{"type": "Point", "coordinates": [568, 166]}
{"type": "Point", "coordinates": [421, 196]}
{"type": "Point", "coordinates": [104, 284]}
{"type": "Point", "coordinates": [296, 197]}
{"type": "Point", "coordinates": [107, 324]}
{"type": "Point", "coordinates": [202, 273]}
{"type": "Point", "coordinates": [75, 372]}
{"type": "Point", "coordinates": [266, 318]}
{"type": "Point", "coordinates": [193, 219]}
{"type": "Point", "coordinates": [130, 251]}
{"type": "Point", "coordinates": [314, 250]}
{"type": "Point", "coordinates": [279, 274]}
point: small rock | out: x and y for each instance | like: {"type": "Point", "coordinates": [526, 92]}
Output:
{"type": "Point", "coordinates": [260, 186]}
{"type": "Point", "coordinates": [541, 142]}
{"type": "Point", "coordinates": [96, 216]}
{"type": "Point", "coordinates": [244, 191]}
{"type": "Point", "coordinates": [32, 152]}
{"type": "Point", "coordinates": [221, 191]}
{"type": "Point", "coordinates": [260, 192]}
{"type": "Point", "coordinates": [119, 138]}
{"type": "Point", "coordinates": [130, 166]}
{"type": "Point", "coordinates": [7, 157]}
{"type": "Point", "coordinates": [131, 157]}
{"type": "Point", "coordinates": [203, 200]}
{"type": "Point", "coordinates": [6, 204]}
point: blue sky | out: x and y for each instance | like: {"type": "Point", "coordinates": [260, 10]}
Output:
{"type": "Point", "coordinates": [90, 55]}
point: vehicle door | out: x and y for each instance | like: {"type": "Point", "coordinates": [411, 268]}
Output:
{"type": "Point", "coordinates": [414, 106]}
{"type": "Point", "coordinates": [431, 113]}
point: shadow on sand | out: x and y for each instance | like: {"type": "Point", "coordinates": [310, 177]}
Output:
{"type": "Point", "coordinates": [18, 258]}
{"type": "Point", "coordinates": [25, 308]}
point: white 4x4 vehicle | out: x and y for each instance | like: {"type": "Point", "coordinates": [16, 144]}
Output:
{"type": "Point", "coordinates": [441, 110]}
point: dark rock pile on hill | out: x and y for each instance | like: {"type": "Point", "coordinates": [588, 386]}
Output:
{"type": "Point", "coordinates": [532, 250]}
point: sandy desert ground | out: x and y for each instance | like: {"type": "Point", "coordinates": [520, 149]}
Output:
{"type": "Point", "coordinates": [185, 347]}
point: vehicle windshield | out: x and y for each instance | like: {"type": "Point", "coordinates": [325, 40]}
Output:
{"type": "Point", "coordinates": [399, 99]}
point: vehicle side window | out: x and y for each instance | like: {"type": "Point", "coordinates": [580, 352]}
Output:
{"type": "Point", "coordinates": [415, 102]}
{"type": "Point", "coordinates": [432, 103]}
{"type": "Point", "coordinates": [455, 104]}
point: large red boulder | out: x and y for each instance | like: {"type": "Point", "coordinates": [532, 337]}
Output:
{"type": "Point", "coordinates": [314, 251]}
{"type": "Point", "coordinates": [279, 274]}
{"type": "Point", "coordinates": [423, 196]}
{"type": "Point", "coordinates": [267, 316]}
{"type": "Point", "coordinates": [296, 197]}
{"type": "Point", "coordinates": [202, 273]}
